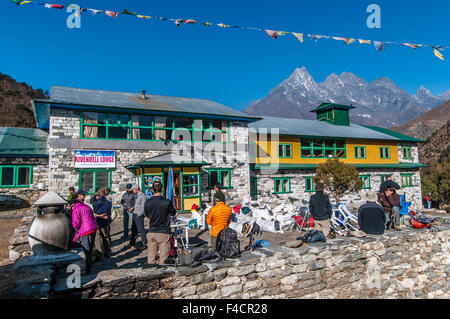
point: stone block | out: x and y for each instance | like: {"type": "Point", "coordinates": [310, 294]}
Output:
{"type": "Point", "coordinates": [241, 270]}
{"type": "Point", "coordinates": [206, 287]}
{"type": "Point", "coordinates": [231, 290]}
{"type": "Point", "coordinates": [201, 278]}
{"type": "Point", "coordinates": [270, 282]}
{"type": "Point", "coordinates": [252, 285]}
{"type": "Point", "coordinates": [184, 291]}
{"type": "Point", "coordinates": [228, 281]}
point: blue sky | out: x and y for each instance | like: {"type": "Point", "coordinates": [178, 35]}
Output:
{"type": "Point", "coordinates": [231, 66]}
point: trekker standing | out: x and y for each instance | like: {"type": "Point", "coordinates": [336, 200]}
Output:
{"type": "Point", "coordinates": [159, 209]}
{"type": "Point", "coordinates": [320, 209]}
{"type": "Point", "coordinates": [72, 194]}
{"type": "Point", "coordinates": [390, 201]}
{"type": "Point", "coordinates": [218, 192]}
{"type": "Point", "coordinates": [137, 227]}
{"type": "Point", "coordinates": [371, 216]}
{"type": "Point", "coordinates": [428, 199]}
{"type": "Point", "coordinates": [102, 211]}
{"type": "Point", "coordinates": [84, 223]}
{"type": "Point", "coordinates": [127, 202]}
{"type": "Point", "coordinates": [219, 217]}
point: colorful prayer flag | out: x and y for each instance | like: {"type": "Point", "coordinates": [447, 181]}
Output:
{"type": "Point", "coordinates": [349, 41]}
{"type": "Point", "coordinates": [282, 33]}
{"type": "Point", "coordinates": [409, 45]}
{"type": "Point", "coordinates": [125, 11]}
{"type": "Point", "coordinates": [94, 11]}
{"type": "Point", "coordinates": [56, 6]}
{"type": "Point", "coordinates": [112, 14]}
{"type": "Point", "coordinates": [361, 41]}
{"type": "Point", "coordinates": [190, 21]}
{"type": "Point", "coordinates": [143, 17]}
{"type": "Point", "coordinates": [299, 36]}
{"type": "Point", "coordinates": [25, 2]}
{"type": "Point", "coordinates": [208, 24]}
{"type": "Point", "coordinates": [379, 45]}
{"type": "Point", "coordinates": [438, 54]}
{"type": "Point", "coordinates": [272, 33]}
{"type": "Point", "coordinates": [223, 25]}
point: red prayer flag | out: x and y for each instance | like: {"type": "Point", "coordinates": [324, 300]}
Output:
{"type": "Point", "coordinates": [272, 33]}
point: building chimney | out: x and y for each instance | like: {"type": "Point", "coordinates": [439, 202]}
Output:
{"type": "Point", "coordinates": [143, 95]}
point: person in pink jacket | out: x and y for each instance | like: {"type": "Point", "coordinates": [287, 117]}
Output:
{"type": "Point", "coordinates": [83, 221]}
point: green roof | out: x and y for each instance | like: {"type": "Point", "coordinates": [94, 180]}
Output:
{"type": "Point", "coordinates": [314, 166]}
{"type": "Point", "coordinates": [326, 106]}
{"type": "Point", "coordinates": [400, 136]}
{"type": "Point", "coordinates": [168, 159]}
{"type": "Point", "coordinates": [15, 141]}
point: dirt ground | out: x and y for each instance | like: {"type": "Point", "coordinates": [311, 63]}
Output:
{"type": "Point", "coordinates": [7, 227]}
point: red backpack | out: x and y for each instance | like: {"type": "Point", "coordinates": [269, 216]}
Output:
{"type": "Point", "coordinates": [420, 223]}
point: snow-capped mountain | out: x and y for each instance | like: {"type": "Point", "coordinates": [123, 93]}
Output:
{"type": "Point", "coordinates": [380, 102]}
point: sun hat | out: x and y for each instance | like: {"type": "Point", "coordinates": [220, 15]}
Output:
{"type": "Point", "coordinates": [370, 196]}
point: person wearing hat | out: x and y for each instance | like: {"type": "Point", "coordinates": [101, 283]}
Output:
{"type": "Point", "coordinates": [371, 216]}
{"type": "Point", "coordinates": [127, 201]}
{"type": "Point", "coordinates": [137, 227]}
{"type": "Point", "coordinates": [85, 226]}
{"type": "Point", "coordinates": [219, 217]}
{"type": "Point", "coordinates": [320, 208]}
{"type": "Point", "coordinates": [218, 191]}
{"type": "Point", "coordinates": [388, 183]}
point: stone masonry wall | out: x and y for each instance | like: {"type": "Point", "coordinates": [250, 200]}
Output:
{"type": "Point", "coordinates": [399, 264]}
{"type": "Point", "coordinates": [298, 187]}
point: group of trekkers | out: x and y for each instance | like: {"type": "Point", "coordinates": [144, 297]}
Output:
{"type": "Point", "coordinates": [92, 223]}
{"type": "Point", "coordinates": [380, 212]}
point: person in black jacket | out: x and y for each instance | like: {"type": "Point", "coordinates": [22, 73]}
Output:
{"type": "Point", "coordinates": [320, 209]}
{"type": "Point", "coordinates": [158, 209]}
{"type": "Point", "coordinates": [371, 216]}
{"type": "Point", "coordinates": [102, 212]}
{"type": "Point", "coordinates": [388, 183]}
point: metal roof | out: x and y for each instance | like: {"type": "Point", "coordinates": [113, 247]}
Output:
{"type": "Point", "coordinates": [400, 136]}
{"type": "Point", "coordinates": [314, 128]}
{"type": "Point", "coordinates": [23, 141]}
{"type": "Point", "coordinates": [314, 166]}
{"type": "Point", "coordinates": [99, 98]}
{"type": "Point", "coordinates": [168, 159]}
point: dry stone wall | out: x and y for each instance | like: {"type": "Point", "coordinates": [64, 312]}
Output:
{"type": "Point", "coordinates": [399, 264]}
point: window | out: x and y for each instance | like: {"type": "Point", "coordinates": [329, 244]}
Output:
{"type": "Point", "coordinates": [360, 152]}
{"type": "Point", "coordinates": [406, 180]}
{"type": "Point", "coordinates": [191, 185]}
{"type": "Point", "coordinates": [16, 176]}
{"type": "Point", "coordinates": [284, 150]}
{"type": "Point", "coordinates": [90, 180]}
{"type": "Point", "coordinates": [99, 125]}
{"type": "Point", "coordinates": [366, 181]}
{"type": "Point", "coordinates": [309, 184]}
{"type": "Point", "coordinates": [282, 185]}
{"type": "Point", "coordinates": [220, 177]}
{"type": "Point", "coordinates": [385, 152]}
{"type": "Point", "coordinates": [383, 178]}
{"type": "Point", "coordinates": [406, 151]}
{"type": "Point", "coordinates": [253, 186]}
{"type": "Point", "coordinates": [322, 148]}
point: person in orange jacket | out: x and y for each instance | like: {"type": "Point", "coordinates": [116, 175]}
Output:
{"type": "Point", "coordinates": [219, 217]}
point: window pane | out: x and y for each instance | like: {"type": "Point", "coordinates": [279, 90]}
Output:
{"type": "Point", "coordinates": [214, 178]}
{"type": "Point", "coordinates": [277, 185]}
{"type": "Point", "coordinates": [94, 131]}
{"type": "Point", "coordinates": [102, 179]}
{"type": "Point", "coordinates": [216, 136]}
{"type": "Point", "coordinates": [183, 123]}
{"type": "Point", "coordinates": [329, 143]}
{"type": "Point", "coordinates": [318, 153]}
{"type": "Point", "coordinates": [190, 179]}
{"type": "Point", "coordinates": [329, 153]}
{"type": "Point", "coordinates": [206, 124]}
{"type": "Point", "coordinates": [285, 185]}
{"type": "Point", "coordinates": [308, 184]}
{"type": "Point", "coordinates": [288, 151]}
{"type": "Point", "coordinates": [113, 118]}
{"type": "Point", "coordinates": [23, 176]}
{"type": "Point", "coordinates": [280, 151]}
{"type": "Point", "coordinates": [190, 191]}
{"type": "Point", "coordinates": [94, 118]}
{"type": "Point", "coordinates": [340, 144]}
{"type": "Point", "coordinates": [163, 135]}
{"type": "Point", "coordinates": [317, 143]}
{"type": "Point", "coordinates": [207, 136]}
{"type": "Point", "coordinates": [7, 176]}
{"type": "Point", "coordinates": [340, 153]}
{"type": "Point", "coordinates": [306, 152]}
{"type": "Point", "coordinates": [142, 134]}
{"type": "Point", "coordinates": [217, 125]}
{"type": "Point", "coordinates": [225, 181]}
{"type": "Point", "coordinates": [306, 142]}
{"type": "Point", "coordinates": [118, 132]}
{"type": "Point", "coordinates": [87, 181]}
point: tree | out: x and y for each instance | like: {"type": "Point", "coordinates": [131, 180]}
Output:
{"type": "Point", "coordinates": [436, 181]}
{"type": "Point", "coordinates": [338, 178]}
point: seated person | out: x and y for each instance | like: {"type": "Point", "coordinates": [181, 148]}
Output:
{"type": "Point", "coordinates": [371, 216]}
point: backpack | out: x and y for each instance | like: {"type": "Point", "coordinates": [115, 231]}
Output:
{"type": "Point", "coordinates": [228, 245]}
{"type": "Point", "coordinates": [420, 223]}
{"type": "Point", "coordinates": [194, 256]}
{"type": "Point", "coordinates": [312, 236]}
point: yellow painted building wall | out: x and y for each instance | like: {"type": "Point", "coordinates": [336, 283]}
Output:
{"type": "Point", "coordinates": [267, 152]}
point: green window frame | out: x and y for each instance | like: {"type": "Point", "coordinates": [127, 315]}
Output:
{"type": "Point", "coordinates": [191, 187]}
{"type": "Point", "coordinates": [221, 174]}
{"type": "Point", "coordinates": [309, 184]}
{"type": "Point", "coordinates": [407, 180]}
{"type": "Point", "coordinates": [107, 123]}
{"type": "Point", "coordinates": [407, 152]}
{"type": "Point", "coordinates": [94, 174]}
{"type": "Point", "coordinates": [385, 152]}
{"type": "Point", "coordinates": [322, 148]}
{"type": "Point", "coordinates": [383, 178]}
{"type": "Point", "coordinates": [16, 176]}
{"type": "Point", "coordinates": [366, 181]}
{"type": "Point", "coordinates": [282, 185]}
{"type": "Point", "coordinates": [360, 152]}
{"type": "Point", "coordinates": [253, 186]}
{"type": "Point", "coordinates": [285, 150]}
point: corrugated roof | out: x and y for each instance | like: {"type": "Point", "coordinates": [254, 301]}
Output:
{"type": "Point", "coordinates": [23, 141]}
{"type": "Point", "coordinates": [400, 136]}
{"type": "Point", "coordinates": [169, 159]}
{"type": "Point", "coordinates": [300, 127]}
{"type": "Point", "coordinates": [133, 101]}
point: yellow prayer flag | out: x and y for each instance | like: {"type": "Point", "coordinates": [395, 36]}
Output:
{"type": "Point", "coordinates": [143, 17]}
{"type": "Point", "coordinates": [438, 54]}
{"type": "Point", "coordinates": [299, 36]}
{"type": "Point", "coordinates": [223, 25]}
{"type": "Point", "coordinates": [349, 40]}
{"type": "Point", "coordinates": [282, 32]}
{"type": "Point", "coordinates": [361, 41]}
{"type": "Point", "coordinates": [25, 2]}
